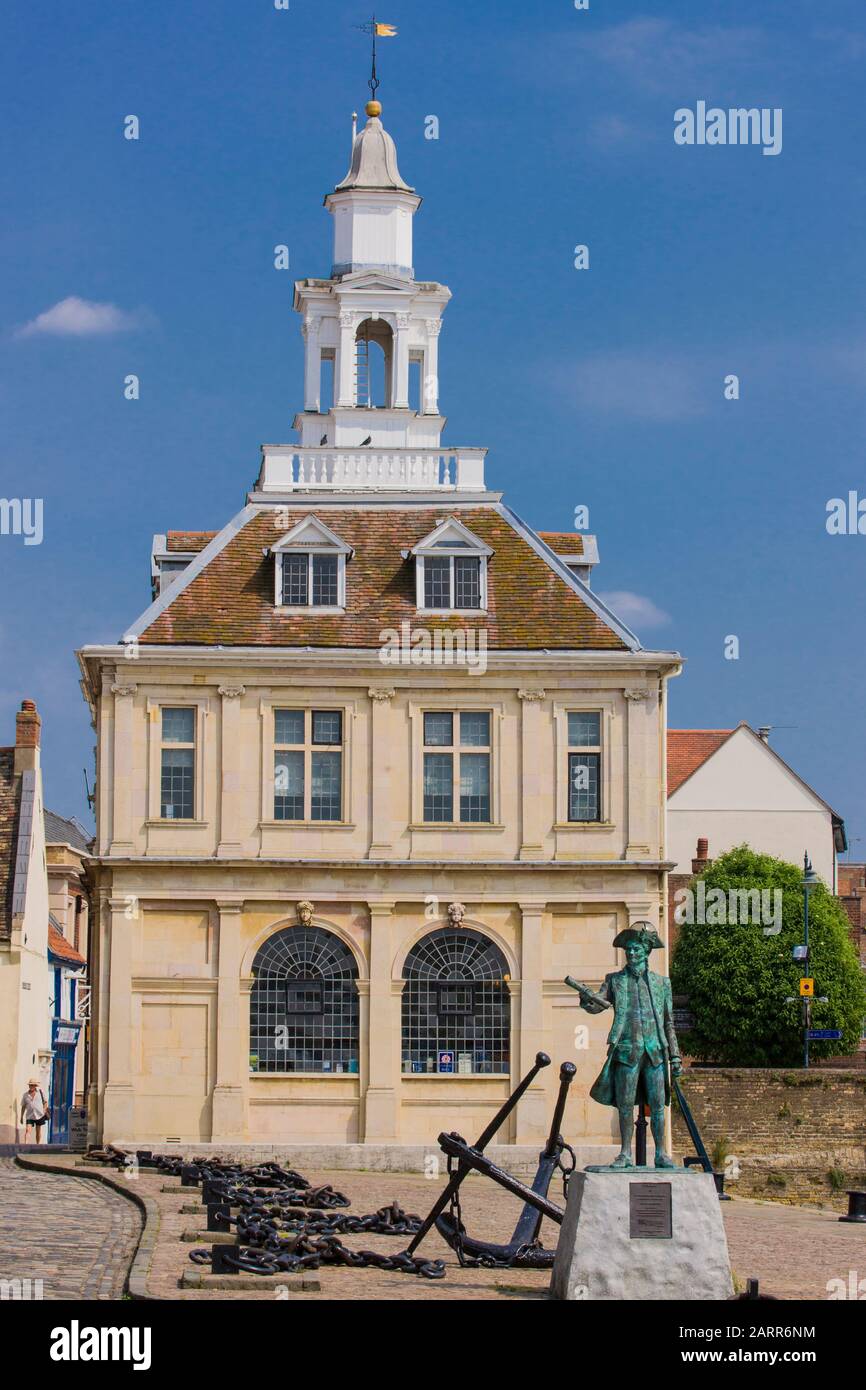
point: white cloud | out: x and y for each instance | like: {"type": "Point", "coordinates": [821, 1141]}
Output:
{"type": "Point", "coordinates": [660, 54]}
{"type": "Point", "coordinates": [80, 318]}
{"type": "Point", "coordinates": [635, 610]}
{"type": "Point", "coordinates": [639, 386]}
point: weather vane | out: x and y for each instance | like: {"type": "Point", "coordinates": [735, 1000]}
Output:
{"type": "Point", "coordinates": [378, 31]}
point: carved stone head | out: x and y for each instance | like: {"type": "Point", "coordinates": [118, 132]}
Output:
{"type": "Point", "coordinates": [456, 913]}
{"type": "Point", "coordinates": [305, 912]}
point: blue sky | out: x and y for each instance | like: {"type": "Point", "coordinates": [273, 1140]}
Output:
{"type": "Point", "coordinates": [601, 387]}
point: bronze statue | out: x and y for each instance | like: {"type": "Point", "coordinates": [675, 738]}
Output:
{"type": "Point", "coordinates": [642, 1044]}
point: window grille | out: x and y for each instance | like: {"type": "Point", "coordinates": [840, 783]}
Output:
{"type": "Point", "coordinates": [584, 766]}
{"type": "Point", "coordinates": [304, 1004]}
{"type": "Point", "coordinates": [456, 1000]}
{"type": "Point", "coordinates": [177, 765]}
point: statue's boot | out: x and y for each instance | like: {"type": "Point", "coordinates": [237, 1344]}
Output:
{"type": "Point", "coordinates": [622, 1160]}
{"type": "Point", "coordinates": [664, 1160]}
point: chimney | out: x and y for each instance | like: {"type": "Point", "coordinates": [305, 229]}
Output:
{"type": "Point", "coordinates": [764, 733]}
{"type": "Point", "coordinates": [701, 860]}
{"type": "Point", "coordinates": [27, 730]}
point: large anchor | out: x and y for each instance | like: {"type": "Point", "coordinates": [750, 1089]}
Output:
{"type": "Point", "coordinates": [523, 1250]}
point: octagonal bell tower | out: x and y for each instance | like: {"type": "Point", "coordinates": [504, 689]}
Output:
{"type": "Point", "coordinates": [371, 365]}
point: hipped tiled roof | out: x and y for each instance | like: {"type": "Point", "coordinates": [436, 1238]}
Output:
{"type": "Point", "coordinates": [687, 749]}
{"type": "Point", "coordinates": [60, 830]}
{"type": "Point", "coordinates": [187, 541]}
{"type": "Point", "coordinates": [563, 542]}
{"type": "Point", "coordinates": [231, 602]}
{"type": "Point", "coordinates": [60, 947]}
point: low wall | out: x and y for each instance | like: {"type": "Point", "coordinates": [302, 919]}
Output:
{"type": "Point", "coordinates": [791, 1135]}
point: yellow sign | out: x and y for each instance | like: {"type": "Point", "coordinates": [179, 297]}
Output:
{"type": "Point", "coordinates": [807, 988]}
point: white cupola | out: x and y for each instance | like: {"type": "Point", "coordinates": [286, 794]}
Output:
{"type": "Point", "coordinates": [371, 360]}
{"type": "Point", "coordinates": [373, 207]}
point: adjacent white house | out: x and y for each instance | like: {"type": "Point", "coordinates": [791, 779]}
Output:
{"type": "Point", "coordinates": [729, 787]}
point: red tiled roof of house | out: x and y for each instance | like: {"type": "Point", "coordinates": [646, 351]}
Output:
{"type": "Point", "coordinates": [687, 749]}
{"type": "Point", "coordinates": [232, 601]}
{"type": "Point", "coordinates": [10, 802]}
{"type": "Point", "coordinates": [59, 946]}
{"type": "Point", "coordinates": [563, 542]}
{"type": "Point", "coordinates": [187, 541]}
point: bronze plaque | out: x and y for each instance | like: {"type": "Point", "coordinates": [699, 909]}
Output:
{"type": "Point", "coordinates": [650, 1211]}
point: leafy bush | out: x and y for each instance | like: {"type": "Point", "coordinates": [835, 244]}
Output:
{"type": "Point", "coordinates": [737, 978]}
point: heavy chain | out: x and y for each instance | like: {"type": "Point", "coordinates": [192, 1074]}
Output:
{"type": "Point", "coordinates": [276, 1228]}
{"type": "Point", "coordinates": [310, 1253]}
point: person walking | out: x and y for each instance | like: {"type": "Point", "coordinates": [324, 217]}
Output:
{"type": "Point", "coordinates": [35, 1111]}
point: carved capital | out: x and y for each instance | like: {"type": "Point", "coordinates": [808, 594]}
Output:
{"type": "Point", "coordinates": [232, 692]}
{"type": "Point", "coordinates": [381, 693]}
{"type": "Point", "coordinates": [434, 328]}
{"type": "Point", "coordinates": [403, 321]}
{"type": "Point", "coordinates": [637, 695]}
{"type": "Point", "coordinates": [347, 319]}
{"type": "Point", "coordinates": [123, 689]}
{"type": "Point", "coordinates": [532, 695]}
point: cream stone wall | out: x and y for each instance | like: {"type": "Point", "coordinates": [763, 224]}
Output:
{"type": "Point", "coordinates": [25, 985]}
{"type": "Point", "coordinates": [182, 907]}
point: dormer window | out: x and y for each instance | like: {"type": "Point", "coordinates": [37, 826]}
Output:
{"type": "Point", "coordinates": [451, 570]}
{"type": "Point", "coordinates": [310, 568]}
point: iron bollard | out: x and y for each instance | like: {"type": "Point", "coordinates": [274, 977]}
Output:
{"type": "Point", "coordinates": [188, 1175]}
{"type": "Point", "coordinates": [856, 1207]}
{"type": "Point", "coordinates": [222, 1259]}
{"type": "Point", "coordinates": [218, 1214]}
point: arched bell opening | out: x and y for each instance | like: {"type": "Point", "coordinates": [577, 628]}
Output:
{"type": "Point", "coordinates": [374, 363]}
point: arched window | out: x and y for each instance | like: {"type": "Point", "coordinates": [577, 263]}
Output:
{"type": "Point", "coordinates": [456, 1002]}
{"type": "Point", "coordinates": [304, 1004]}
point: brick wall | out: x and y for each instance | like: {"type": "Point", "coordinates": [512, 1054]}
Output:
{"type": "Point", "coordinates": [786, 1129]}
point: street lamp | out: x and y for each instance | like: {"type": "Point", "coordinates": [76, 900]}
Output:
{"type": "Point", "coordinates": [810, 882]}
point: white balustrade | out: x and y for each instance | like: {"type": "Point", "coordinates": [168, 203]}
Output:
{"type": "Point", "coordinates": [286, 468]}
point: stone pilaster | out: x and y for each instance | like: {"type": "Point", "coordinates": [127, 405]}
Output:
{"type": "Point", "coordinates": [228, 1096]}
{"type": "Point", "coordinates": [532, 1121]}
{"type": "Point", "coordinates": [383, 1074]}
{"type": "Point", "coordinates": [118, 1111]}
{"type": "Point", "coordinates": [531, 779]}
{"type": "Point", "coordinates": [430, 399]}
{"type": "Point", "coordinates": [346, 361]}
{"type": "Point", "coordinates": [230, 763]}
{"type": "Point", "coordinates": [642, 789]}
{"type": "Point", "coordinates": [383, 742]}
{"type": "Point", "coordinates": [121, 836]}
{"type": "Point", "coordinates": [312, 363]}
{"type": "Point", "coordinates": [400, 393]}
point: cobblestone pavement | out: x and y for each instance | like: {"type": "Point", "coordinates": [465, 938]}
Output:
{"type": "Point", "coordinates": [81, 1237]}
{"type": "Point", "coordinates": [74, 1234]}
{"type": "Point", "coordinates": [793, 1251]}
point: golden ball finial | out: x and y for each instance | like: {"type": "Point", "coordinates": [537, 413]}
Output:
{"type": "Point", "coordinates": [373, 108]}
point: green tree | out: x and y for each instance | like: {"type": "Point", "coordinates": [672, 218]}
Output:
{"type": "Point", "coordinates": [737, 977]}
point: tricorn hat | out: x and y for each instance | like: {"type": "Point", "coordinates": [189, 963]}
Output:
{"type": "Point", "coordinates": [644, 932]}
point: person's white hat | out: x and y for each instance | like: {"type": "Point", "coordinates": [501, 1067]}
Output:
{"type": "Point", "coordinates": [33, 1081]}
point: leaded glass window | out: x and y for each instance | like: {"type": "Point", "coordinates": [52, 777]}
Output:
{"type": "Point", "coordinates": [584, 766]}
{"type": "Point", "coordinates": [177, 764]}
{"type": "Point", "coordinates": [456, 1001]}
{"type": "Point", "coordinates": [308, 780]}
{"type": "Point", "coordinates": [453, 775]}
{"type": "Point", "coordinates": [304, 1004]}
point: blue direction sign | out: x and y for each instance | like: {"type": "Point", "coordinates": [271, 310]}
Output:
{"type": "Point", "coordinates": [823, 1034]}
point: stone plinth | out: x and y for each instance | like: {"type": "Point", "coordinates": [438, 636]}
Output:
{"type": "Point", "coordinates": [614, 1242]}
